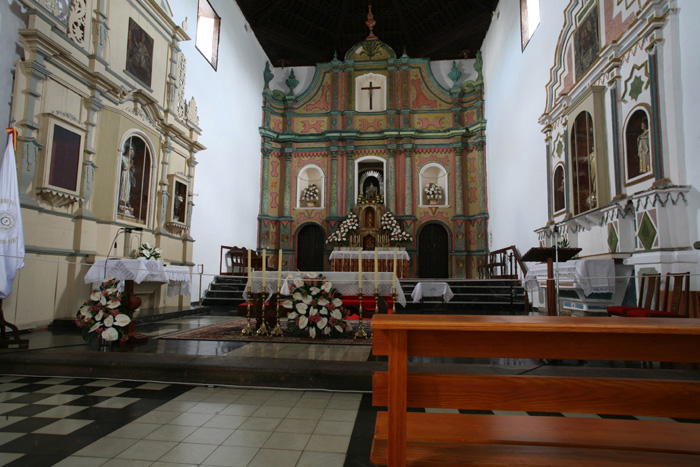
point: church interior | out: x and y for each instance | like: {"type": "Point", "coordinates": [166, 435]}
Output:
{"type": "Point", "coordinates": [349, 233]}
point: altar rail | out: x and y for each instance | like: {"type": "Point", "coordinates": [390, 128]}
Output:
{"type": "Point", "coordinates": [439, 439]}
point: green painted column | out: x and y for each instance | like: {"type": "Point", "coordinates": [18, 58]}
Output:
{"type": "Point", "coordinates": [287, 180]}
{"type": "Point", "coordinates": [390, 195]}
{"type": "Point", "coordinates": [459, 181]}
{"type": "Point", "coordinates": [408, 205]}
{"type": "Point", "coordinates": [351, 180]}
{"type": "Point", "coordinates": [334, 183]}
{"type": "Point", "coordinates": [265, 182]}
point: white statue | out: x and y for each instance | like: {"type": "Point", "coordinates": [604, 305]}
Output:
{"type": "Point", "coordinates": [127, 179]}
{"type": "Point", "coordinates": [643, 149]}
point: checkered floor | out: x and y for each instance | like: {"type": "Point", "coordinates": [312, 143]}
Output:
{"type": "Point", "coordinates": [83, 422]}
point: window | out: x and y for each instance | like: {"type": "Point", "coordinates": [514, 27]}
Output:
{"type": "Point", "coordinates": [559, 189]}
{"type": "Point", "coordinates": [638, 147]}
{"type": "Point", "coordinates": [135, 165]}
{"type": "Point", "coordinates": [529, 20]}
{"type": "Point", "coordinates": [311, 187]}
{"type": "Point", "coordinates": [433, 185]}
{"type": "Point", "coordinates": [208, 27]}
{"type": "Point", "coordinates": [65, 159]}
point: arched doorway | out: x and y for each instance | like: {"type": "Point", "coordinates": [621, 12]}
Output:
{"type": "Point", "coordinates": [310, 244]}
{"type": "Point", "coordinates": [433, 252]}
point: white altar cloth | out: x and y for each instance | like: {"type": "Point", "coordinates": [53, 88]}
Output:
{"type": "Point", "coordinates": [343, 282]}
{"type": "Point", "coordinates": [432, 289]}
{"type": "Point", "coordinates": [590, 275]}
{"type": "Point", "coordinates": [141, 270]}
{"type": "Point", "coordinates": [369, 254]}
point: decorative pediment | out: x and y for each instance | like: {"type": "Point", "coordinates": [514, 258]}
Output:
{"type": "Point", "coordinates": [57, 198]}
{"type": "Point", "coordinates": [370, 50]}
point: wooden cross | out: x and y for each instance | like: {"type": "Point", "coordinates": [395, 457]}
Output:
{"type": "Point", "coordinates": [371, 89]}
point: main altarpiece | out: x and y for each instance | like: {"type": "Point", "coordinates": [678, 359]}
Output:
{"type": "Point", "coordinates": [376, 154]}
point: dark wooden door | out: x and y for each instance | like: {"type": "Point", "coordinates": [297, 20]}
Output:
{"type": "Point", "coordinates": [433, 252]}
{"type": "Point", "coordinates": [310, 244]}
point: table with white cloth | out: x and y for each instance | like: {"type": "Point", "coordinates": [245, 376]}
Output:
{"type": "Point", "coordinates": [346, 261]}
{"type": "Point", "coordinates": [346, 283]}
{"type": "Point", "coordinates": [141, 270]}
{"type": "Point", "coordinates": [432, 289]}
{"type": "Point", "coordinates": [589, 275]}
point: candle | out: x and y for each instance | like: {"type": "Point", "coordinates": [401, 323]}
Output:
{"type": "Point", "coordinates": [393, 289]}
{"type": "Point", "coordinates": [249, 268]}
{"type": "Point", "coordinates": [376, 271]}
{"type": "Point", "coordinates": [264, 269]}
{"type": "Point", "coordinates": [279, 268]}
{"type": "Point", "coordinates": [359, 269]}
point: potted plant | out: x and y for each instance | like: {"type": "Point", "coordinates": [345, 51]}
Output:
{"type": "Point", "coordinates": [147, 251]}
{"type": "Point", "coordinates": [315, 307]}
{"type": "Point", "coordinates": [433, 192]}
{"type": "Point", "coordinates": [310, 195]}
{"type": "Point", "coordinates": [106, 315]}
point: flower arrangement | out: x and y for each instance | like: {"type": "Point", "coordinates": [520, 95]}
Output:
{"type": "Point", "coordinates": [317, 309]}
{"type": "Point", "coordinates": [433, 191]}
{"type": "Point", "coordinates": [310, 193]}
{"type": "Point", "coordinates": [106, 315]}
{"type": "Point", "coordinates": [148, 252]}
{"type": "Point", "coordinates": [362, 199]}
{"type": "Point", "coordinates": [350, 224]}
{"type": "Point", "coordinates": [396, 234]}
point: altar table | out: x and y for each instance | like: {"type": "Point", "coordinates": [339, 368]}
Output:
{"type": "Point", "coordinates": [589, 275]}
{"type": "Point", "coordinates": [346, 261]}
{"type": "Point", "coordinates": [432, 289]}
{"type": "Point", "coordinates": [343, 282]}
{"type": "Point", "coordinates": [140, 270]}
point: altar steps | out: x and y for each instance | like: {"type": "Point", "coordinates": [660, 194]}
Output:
{"type": "Point", "coordinates": [471, 297]}
{"type": "Point", "coordinates": [225, 291]}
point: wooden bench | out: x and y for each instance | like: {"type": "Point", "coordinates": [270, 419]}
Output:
{"type": "Point", "coordinates": [440, 439]}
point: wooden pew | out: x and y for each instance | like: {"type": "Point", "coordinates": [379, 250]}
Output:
{"type": "Point", "coordinates": [440, 439]}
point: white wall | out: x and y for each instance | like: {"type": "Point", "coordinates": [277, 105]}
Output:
{"type": "Point", "coordinates": [12, 18]}
{"type": "Point", "coordinates": [689, 13]}
{"type": "Point", "coordinates": [514, 86]}
{"type": "Point", "coordinates": [229, 101]}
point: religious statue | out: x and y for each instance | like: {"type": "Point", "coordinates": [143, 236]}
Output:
{"type": "Point", "coordinates": [643, 149]}
{"type": "Point", "coordinates": [127, 178]}
{"type": "Point", "coordinates": [371, 191]}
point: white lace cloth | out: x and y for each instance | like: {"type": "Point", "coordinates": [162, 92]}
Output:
{"type": "Point", "coordinates": [141, 270]}
{"type": "Point", "coordinates": [344, 282]}
{"type": "Point", "coordinates": [432, 289]}
{"type": "Point", "coordinates": [589, 275]}
{"type": "Point", "coordinates": [381, 254]}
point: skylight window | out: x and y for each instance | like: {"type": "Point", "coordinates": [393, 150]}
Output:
{"type": "Point", "coordinates": [529, 19]}
{"type": "Point", "coordinates": [207, 40]}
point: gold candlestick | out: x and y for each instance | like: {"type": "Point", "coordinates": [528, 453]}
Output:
{"type": "Point", "coordinates": [360, 332]}
{"type": "Point", "coordinates": [248, 330]}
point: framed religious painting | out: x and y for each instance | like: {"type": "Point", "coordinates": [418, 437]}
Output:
{"type": "Point", "coordinates": [139, 53]}
{"type": "Point", "coordinates": [586, 42]}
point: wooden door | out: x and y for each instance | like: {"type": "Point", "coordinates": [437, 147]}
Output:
{"type": "Point", "coordinates": [310, 244]}
{"type": "Point", "coordinates": [433, 252]}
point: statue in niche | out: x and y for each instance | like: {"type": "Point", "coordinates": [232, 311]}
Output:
{"type": "Point", "coordinates": [643, 149]}
{"type": "Point", "coordinates": [371, 191]}
{"type": "Point", "coordinates": [127, 178]}
{"type": "Point", "coordinates": [369, 218]}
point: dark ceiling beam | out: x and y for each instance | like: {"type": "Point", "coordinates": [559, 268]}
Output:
{"type": "Point", "coordinates": [405, 28]}
{"type": "Point", "coordinates": [299, 46]}
{"type": "Point", "coordinates": [461, 31]}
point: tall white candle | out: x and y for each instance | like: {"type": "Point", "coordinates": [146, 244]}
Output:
{"type": "Point", "coordinates": [264, 270]}
{"type": "Point", "coordinates": [249, 264]}
{"type": "Point", "coordinates": [279, 268]}
{"type": "Point", "coordinates": [376, 271]}
{"type": "Point", "coordinates": [394, 284]}
{"type": "Point", "coordinates": [359, 269]}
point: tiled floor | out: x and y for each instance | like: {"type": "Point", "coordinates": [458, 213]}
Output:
{"type": "Point", "coordinates": [73, 422]}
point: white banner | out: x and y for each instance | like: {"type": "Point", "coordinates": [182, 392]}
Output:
{"type": "Point", "coordinates": [11, 233]}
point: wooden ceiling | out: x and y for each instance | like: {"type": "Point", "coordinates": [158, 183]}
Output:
{"type": "Point", "coordinates": [306, 32]}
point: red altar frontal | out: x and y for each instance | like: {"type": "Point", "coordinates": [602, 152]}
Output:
{"type": "Point", "coordinates": [346, 261]}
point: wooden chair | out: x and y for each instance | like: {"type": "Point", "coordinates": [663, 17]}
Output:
{"type": "Point", "coordinates": [677, 289]}
{"type": "Point", "coordinates": [649, 296]}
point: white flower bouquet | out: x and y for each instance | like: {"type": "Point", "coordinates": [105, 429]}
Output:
{"type": "Point", "coordinates": [340, 236]}
{"type": "Point", "coordinates": [310, 193]}
{"type": "Point", "coordinates": [396, 234]}
{"type": "Point", "coordinates": [316, 308]}
{"type": "Point", "coordinates": [106, 315]}
{"type": "Point", "coordinates": [433, 191]}
{"type": "Point", "coordinates": [149, 252]}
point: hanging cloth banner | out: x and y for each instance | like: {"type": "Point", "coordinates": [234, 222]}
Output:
{"type": "Point", "coordinates": [11, 232]}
